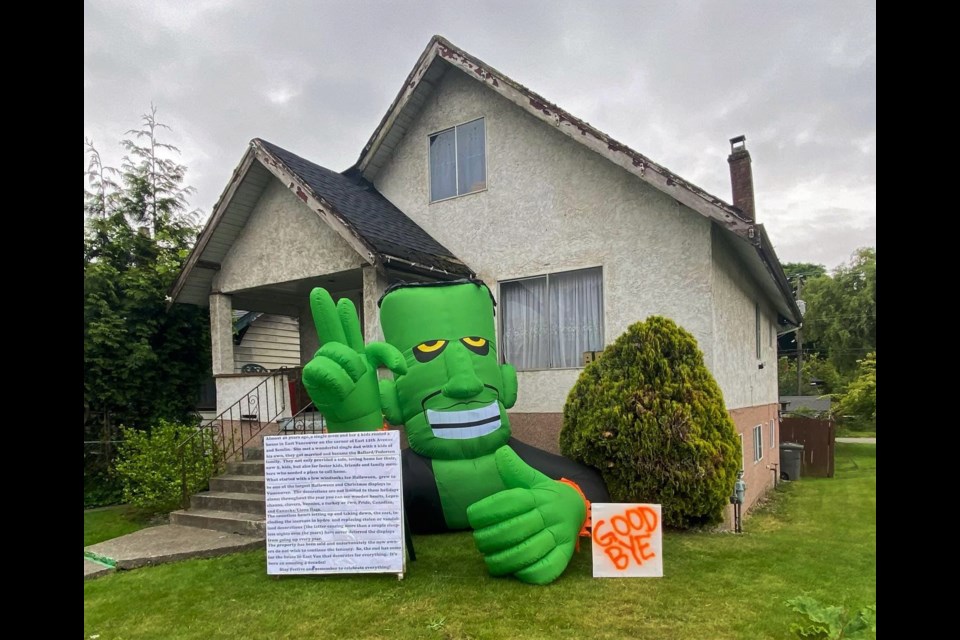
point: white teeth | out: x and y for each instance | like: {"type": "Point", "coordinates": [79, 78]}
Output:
{"type": "Point", "coordinates": [468, 432]}
{"type": "Point", "coordinates": [465, 424]}
{"type": "Point", "coordinates": [436, 418]}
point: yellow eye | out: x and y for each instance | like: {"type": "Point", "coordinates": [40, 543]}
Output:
{"type": "Point", "coordinates": [427, 351]}
{"type": "Point", "coordinates": [478, 345]}
{"type": "Point", "coordinates": [430, 347]}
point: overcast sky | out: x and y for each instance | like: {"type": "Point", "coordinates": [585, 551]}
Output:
{"type": "Point", "coordinates": [673, 80]}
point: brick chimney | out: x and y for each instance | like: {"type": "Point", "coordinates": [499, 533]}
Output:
{"type": "Point", "coordinates": [741, 177]}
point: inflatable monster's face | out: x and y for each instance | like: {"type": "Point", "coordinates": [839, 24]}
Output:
{"type": "Point", "coordinates": [452, 396]}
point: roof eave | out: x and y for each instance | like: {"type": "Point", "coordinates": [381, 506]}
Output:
{"type": "Point", "coordinates": [193, 259]}
{"type": "Point", "coordinates": [620, 154]}
{"type": "Point", "coordinates": [770, 260]}
{"type": "Point", "coordinates": [397, 263]}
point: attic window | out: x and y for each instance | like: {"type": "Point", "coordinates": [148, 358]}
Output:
{"type": "Point", "coordinates": [458, 163]}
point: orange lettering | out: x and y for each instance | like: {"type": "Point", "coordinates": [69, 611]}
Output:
{"type": "Point", "coordinates": [627, 535]}
{"type": "Point", "coordinates": [641, 548]}
{"type": "Point", "coordinates": [606, 539]}
{"type": "Point", "coordinates": [617, 556]}
{"type": "Point", "coordinates": [620, 520]}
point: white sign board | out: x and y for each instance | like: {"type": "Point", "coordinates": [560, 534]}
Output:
{"type": "Point", "coordinates": [627, 540]}
{"type": "Point", "coordinates": [334, 503]}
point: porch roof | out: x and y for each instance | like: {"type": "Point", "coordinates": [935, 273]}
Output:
{"type": "Point", "coordinates": [382, 234]}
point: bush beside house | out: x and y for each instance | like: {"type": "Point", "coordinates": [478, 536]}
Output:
{"type": "Point", "coordinates": [150, 466]}
{"type": "Point", "coordinates": [650, 416]}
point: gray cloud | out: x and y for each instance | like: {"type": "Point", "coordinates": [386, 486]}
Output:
{"type": "Point", "coordinates": [672, 80]}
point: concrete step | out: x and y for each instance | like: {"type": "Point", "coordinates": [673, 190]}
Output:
{"type": "Point", "coordinates": [245, 468]}
{"type": "Point", "coordinates": [164, 543]}
{"type": "Point", "coordinates": [93, 569]}
{"type": "Point", "coordinates": [223, 501]}
{"type": "Point", "coordinates": [253, 453]}
{"type": "Point", "coordinates": [237, 484]}
{"type": "Point", "coordinates": [248, 524]}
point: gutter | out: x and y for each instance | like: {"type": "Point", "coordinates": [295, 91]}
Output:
{"type": "Point", "coordinates": [772, 263]}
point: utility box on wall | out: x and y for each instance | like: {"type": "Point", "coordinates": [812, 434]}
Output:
{"type": "Point", "coordinates": [590, 356]}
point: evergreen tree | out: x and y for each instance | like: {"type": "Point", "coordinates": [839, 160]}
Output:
{"type": "Point", "coordinates": [649, 415]}
{"type": "Point", "coordinates": [141, 361]}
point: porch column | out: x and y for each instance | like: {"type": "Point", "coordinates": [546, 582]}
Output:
{"type": "Point", "coordinates": [374, 284]}
{"type": "Point", "coordinates": [221, 333]}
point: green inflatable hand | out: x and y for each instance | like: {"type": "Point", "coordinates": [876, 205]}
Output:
{"type": "Point", "coordinates": [529, 529]}
{"type": "Point", "coordinates": [342, 377]}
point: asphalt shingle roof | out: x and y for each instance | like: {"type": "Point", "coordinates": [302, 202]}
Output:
{"type": "Point", "coordinates": [384, 227]}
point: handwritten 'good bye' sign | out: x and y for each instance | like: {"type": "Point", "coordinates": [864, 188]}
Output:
{"type": "Point", "coordinates": [627, 540]}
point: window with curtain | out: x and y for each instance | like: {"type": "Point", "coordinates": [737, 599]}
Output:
{"type": "Point", "coordinates": [458, 162]}
{"type": "Point", "coordinates": [547, 322]}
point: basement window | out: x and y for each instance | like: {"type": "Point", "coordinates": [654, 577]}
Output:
{"type": "Point", "coordinates": [458, 162]}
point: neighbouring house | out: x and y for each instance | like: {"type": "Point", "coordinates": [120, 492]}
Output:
{"type": "Point", "coordinates": [813, 405]}
{"type": "Point", "coordinates": [578, 236]}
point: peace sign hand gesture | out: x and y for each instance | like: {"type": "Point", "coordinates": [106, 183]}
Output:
{"type": "Point", "coordinates": [342, 377]}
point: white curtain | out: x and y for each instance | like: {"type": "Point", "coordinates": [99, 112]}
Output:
{"type": "Point", "coordinates": [471, 163]}
{"type": "Point", "coordinates": [549, 322]}
{"type": "Point", "coordinates": [576, 316]}
{"type": "Point", "coordinates": [443, 166]}
{"type": "Point", "coordinates": [525, 341]}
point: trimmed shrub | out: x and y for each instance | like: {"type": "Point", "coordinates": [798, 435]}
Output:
{"type": "Point", "coordinates": [150, 469]}
{"type": "Point", "coordinates": [649, 415]}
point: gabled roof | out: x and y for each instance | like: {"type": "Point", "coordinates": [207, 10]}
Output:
{"type": "Point", "coordinates": [440, 55]}
{"type": "Point", "coordinates": [381, 233]}
{"type": "Point", "coordinates": [373, 218]}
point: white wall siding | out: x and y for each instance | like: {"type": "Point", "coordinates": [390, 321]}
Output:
{"type": "Point", "coordinates": [735, 362]}
{"type": "Point", "coordinates": [266, 402]}
{"type": "Point", "coordinates": [272, 341]}
{"type": "Point", "coordinates": [283, 240]}
{"type": "Point", "coordinates": [553, 205]}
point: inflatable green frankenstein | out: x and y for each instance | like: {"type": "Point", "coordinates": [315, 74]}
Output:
{"type": "Point", "coordinates": [450, 392]}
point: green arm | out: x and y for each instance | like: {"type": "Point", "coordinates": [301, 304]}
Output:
{"type": "Point", "coordinates": [341, 379]}
{"type": "Point", "coordinates": [529, 529]}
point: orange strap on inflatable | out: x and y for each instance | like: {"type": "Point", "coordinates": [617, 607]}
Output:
{"type": "Point", "coordinates": [587, 522]}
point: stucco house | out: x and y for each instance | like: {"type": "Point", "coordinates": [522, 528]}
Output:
{"type": "Point", "coordinates": [472, 174]}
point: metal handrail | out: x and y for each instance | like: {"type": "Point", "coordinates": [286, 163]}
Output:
{"type": "Point", "coordinates": [300, 424]}
{"type": "Point", "coordinates": [246, 414]}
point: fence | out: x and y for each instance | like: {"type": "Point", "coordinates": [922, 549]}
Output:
{"type": "Point", "coordinates": [817, 437]}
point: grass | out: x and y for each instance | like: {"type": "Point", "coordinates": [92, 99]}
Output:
{"type": "Point", "coordinates": [109, 522]}
{"type": "Point", "coordinates": [816, 537]}
{"type": "Point", "coordinates": [853, 433]}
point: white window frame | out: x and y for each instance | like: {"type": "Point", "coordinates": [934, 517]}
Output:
{"type": "Point", "coordinates": [743, 454]}
{"type": "Point", "coordinates": [456, 156]}
{"type": "Point", "coordinates": [603, 312]}
{"type": "Point", "coordinates": [773, 432]}
{"type": "Point", "coordinates": [757, 443]}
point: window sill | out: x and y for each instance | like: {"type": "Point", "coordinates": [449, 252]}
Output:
{"type": "Point", "coordinates": [550, 369]}
{"type": "Point", "coordinates": [462, 195]}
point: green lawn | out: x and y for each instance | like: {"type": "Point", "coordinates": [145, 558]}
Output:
{"type": "Point", "coordinates": [109, 522]}
{"type": "Point", "coordinates": [852, 433]}
{"type": "Point", "coordinates": [817, 537]}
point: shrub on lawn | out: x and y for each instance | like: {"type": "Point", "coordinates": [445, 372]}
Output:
{"type": "Point", "coordinates": [150, 468]}
{"type": "Point", "coordinates": [649, 415]}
